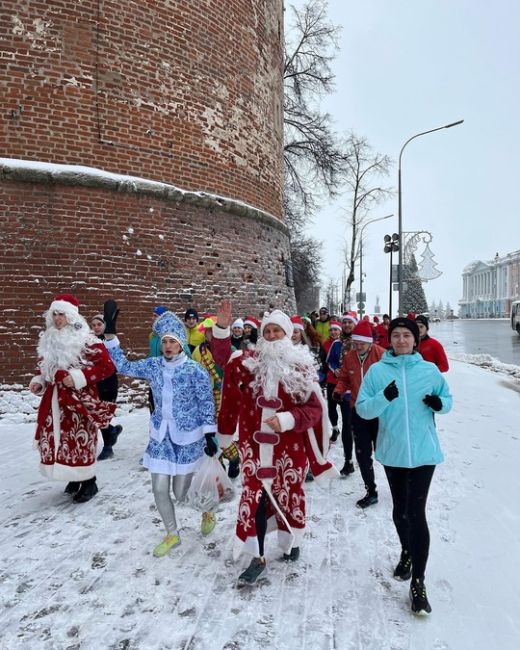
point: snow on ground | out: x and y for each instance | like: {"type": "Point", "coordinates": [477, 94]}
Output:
{"type": "Point", "coordinates": [83, 576]}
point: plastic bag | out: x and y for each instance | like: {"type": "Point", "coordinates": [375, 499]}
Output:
{"type": "Point", "coordinates": [210, 486]}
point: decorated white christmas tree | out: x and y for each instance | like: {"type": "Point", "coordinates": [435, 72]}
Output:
{"type": "Point", "coordinates": [428, 267]}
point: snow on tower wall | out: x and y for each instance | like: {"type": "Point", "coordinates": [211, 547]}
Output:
{"type": "Point", "coordinates": [187, 94]}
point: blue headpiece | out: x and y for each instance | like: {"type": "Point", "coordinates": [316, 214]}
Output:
{"type": "Point", "coordinates": [169, 325]}
{"type": "Point", "coordinates": [160, 309]}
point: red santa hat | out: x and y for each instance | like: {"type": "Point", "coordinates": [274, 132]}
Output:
{"type": "Point", "coordinates": [335, 325]}
{"type": "Point", "coordinates": [252, 322]}
{"type": "Point", "coordinates": [376, 319]}
{"type": "Point", "coordinates": [277, 317]}
{"type": "Point", "coordinates": [363, 332]}
{"type": "Point", "coordinates": [350, 315]}
{"type": "Point", "coordinates": [65, 303]}
{"type": "Point", "coordinates": [297, 322]}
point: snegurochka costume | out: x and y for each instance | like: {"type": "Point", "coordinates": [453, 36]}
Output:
{"type": "Point", "coordinates": [182, 420]}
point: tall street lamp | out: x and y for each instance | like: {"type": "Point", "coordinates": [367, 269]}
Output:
{"type": "Point", "coordinates": [392, 244]}
{"type": "Point", "coordinates": [361, 304]}
{"type": "Point", "coordinates": [399, 208]}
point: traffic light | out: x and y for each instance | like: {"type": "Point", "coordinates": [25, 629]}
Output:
{"type": "Point", "coordinates": [391, 243]}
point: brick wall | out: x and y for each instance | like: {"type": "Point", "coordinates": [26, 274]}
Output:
{"type": "Point", "coordinates": [184, 92]}
{"type": "Point", "coordinates": [141, 250]}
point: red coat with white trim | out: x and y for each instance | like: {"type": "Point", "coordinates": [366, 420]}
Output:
{"type": "Point", "coordinates": [69, 418]}
{"type": "Point", "coordinates": [274, 462]}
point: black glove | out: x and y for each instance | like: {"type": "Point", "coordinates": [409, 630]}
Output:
{"type": "Point", "coordinates": [391, 391]}
{"type": "Point", "coordinates": [211, 447]}
{"type": "Point", "coordinates": [110, 314]}
{"type": "Point", "coordinates": [337, 397]}
{"type": "Point", "coordinates": [433, 401]}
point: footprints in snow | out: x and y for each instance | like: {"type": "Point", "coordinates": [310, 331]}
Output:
{"type": "Point", "coordinates": [99, 561]}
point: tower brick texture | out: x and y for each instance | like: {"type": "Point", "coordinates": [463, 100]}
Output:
{"type": "Point", "coordinates": [151, 139]}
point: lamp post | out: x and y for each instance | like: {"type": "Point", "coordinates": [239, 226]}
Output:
{"type": "Point", "coordinates": [361, 309]}
{"type": "Point", "coordinates": [400, 210]}
{"type": "Point", "coordinates": [392, 244]}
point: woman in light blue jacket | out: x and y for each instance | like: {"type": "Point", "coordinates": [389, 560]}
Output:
{"type": "Point", "coordinates": [404, 391]}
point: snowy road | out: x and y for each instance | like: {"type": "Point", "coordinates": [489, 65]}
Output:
{"type": "Point", "coordinates": [82, 576]}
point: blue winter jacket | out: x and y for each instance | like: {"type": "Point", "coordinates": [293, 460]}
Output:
{"type": "Point", "coordinates": [407, 436]}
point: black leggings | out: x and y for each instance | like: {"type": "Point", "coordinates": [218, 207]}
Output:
{"type": "Point", "coordinates": [261, 523]}
{"type": "Point", "coordinates": [346, 430]}
{"type": "Point", "coordinates": [365, 438]}
{"type": "Point", "coordinates": [409, 488]}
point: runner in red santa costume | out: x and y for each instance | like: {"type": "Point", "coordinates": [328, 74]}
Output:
{"type": "Point", "coordinates": [72, 361]}
{"type": "Point", "coordinates": [272, 393]}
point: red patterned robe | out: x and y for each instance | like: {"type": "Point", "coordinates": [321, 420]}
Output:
{"type": "Point", "coordinates": [69, 418]}
{"type": "Point", "coordinates": [274, 462]}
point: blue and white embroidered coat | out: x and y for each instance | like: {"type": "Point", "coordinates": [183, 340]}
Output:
{"type": "Point", "coordinates": [184, 409]}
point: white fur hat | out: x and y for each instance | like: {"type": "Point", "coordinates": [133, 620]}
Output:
{"type": "Point", "coordinates": [277, 317]}
{"type": "Point", "coordinates": [238, 323]}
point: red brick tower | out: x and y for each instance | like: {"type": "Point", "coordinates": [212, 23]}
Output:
{"type": "Point", "coordinates": [186, 97]}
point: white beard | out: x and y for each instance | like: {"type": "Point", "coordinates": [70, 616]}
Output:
{"type": "Point", "coordinates": [281, 362]}
{"type": "Point", "coordinates": [65, 348]}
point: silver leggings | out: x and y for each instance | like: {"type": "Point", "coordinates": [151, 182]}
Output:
{"type": "Point", "coordinates": [163, 498]}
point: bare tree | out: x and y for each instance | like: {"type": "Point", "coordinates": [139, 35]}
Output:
{"type": "Point", "coordinates": [306, 259]}
{"type": "Point", "coordinates": [313, 155]}
{"type": "Point", "coordinates": [363, 172]}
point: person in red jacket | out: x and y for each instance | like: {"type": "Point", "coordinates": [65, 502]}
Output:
{"type": "Point", "coordinates": [273, 396]}
{"type": "Point", "coordinates": [382, 332]}
{"type": "Point", "coordinates": [430, 349]}
{"type": "Point", "coordinates": [353, 369]}
{"type": "Point", "coordinates": [71, 363]}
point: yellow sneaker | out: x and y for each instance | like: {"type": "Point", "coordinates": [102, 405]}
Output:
{"type": "Point", "coordinates": [170, 541]}
{"type": "Point", "coordinates": [208, 523]}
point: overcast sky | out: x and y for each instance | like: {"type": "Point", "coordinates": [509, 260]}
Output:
{"type": "Point", "coordinates": [406, 67]}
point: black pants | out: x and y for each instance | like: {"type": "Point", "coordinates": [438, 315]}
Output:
{"type": "Point", "coordinates": [365, 438]}
{"type": "Point", "coordinates": [346, 430]}
{"type": "Point", "coordinates": [409, 488]}
{"type": "Point", "coordinates": [107, 432]}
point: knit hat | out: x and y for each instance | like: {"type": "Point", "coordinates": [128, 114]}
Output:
{"type": "Point", "coordinates": [191, 313]}
{"type": "Point", "coordinates": [424, 320]}
{"type": "Point", "coordinates": [351, 316]}
{"type": "Point", "coordinates": [334, 325]}
{"type": "Point", "coordinates": [405, 322]}
{"type": "Point", "coordinates": [99, 317]}
{"type": "Point", "coordinates": [363, 332]}
{"type": "Point", "coordinates": [238, 323]}
{"type": "Point", "coordinates": [252, 321]}
{"type": "Point", "coordinates": [160, 309]}
{"type": "Point", "coordinates": [65, 303]}
{"type": "Point", "coordinates": [277, 317]}
{"type": "Point", "coordinates": [297, 322]}
{"type": "Point", "coordinates": [169, 325]}
{"type": "Point", "coordinates": [324, 310]}
{"type": "Point", "coordinates": [376, 319]}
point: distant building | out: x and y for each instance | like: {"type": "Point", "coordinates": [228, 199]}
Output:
{"type": "Point", "coordinates": [488, 288]}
